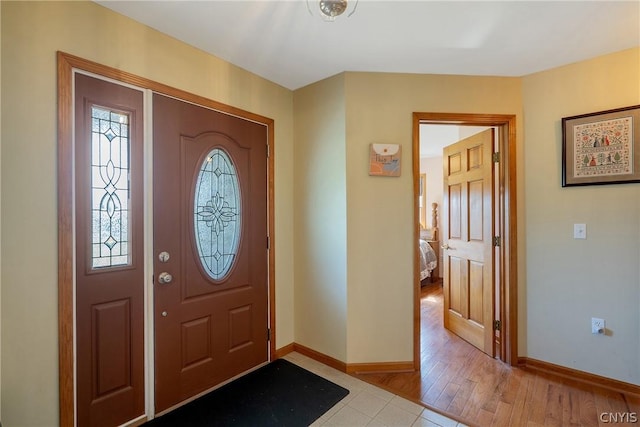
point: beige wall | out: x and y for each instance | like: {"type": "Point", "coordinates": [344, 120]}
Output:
{"type": "Point", "coordinates": [32, 32]}
{"type": "Point", "coordinates": [432, 167]}
{"type": "Point", "coordinates": [569, 281]}
{"type": "Point", "coordinates": [380, 210]}
{"type": "Point", "coordinates": [321, 218]}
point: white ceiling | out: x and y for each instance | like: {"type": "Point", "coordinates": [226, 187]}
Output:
{"type": "Point", "coordinates": [282, 42]}
{"type": "Point", "coordinates": [433, 138]}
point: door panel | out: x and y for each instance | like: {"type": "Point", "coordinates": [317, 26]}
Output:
{"type": "Point", "coordinates": [455, 221]}
{"type": "Point", "coordinates": [211, 319]}
{"type": "Point", "coordinates": [476, 220]}
{"type": "Point", "coordinates": [467, 237]}
{"type": "Point", "coordinates": [109, 252]}
{"type": "Point", "coordinates": [111, 328]}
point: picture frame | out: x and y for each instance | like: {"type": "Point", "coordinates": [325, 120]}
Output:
{"type": "Point", "coordinates": [601, 148]}
{"type": "Point", "coordinates": [385, 159]}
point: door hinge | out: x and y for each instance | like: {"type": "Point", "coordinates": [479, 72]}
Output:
{"type": "Point", "coordinates": [496, 241]}
{"type": "Point", "coordinates": [268, 151]}
{"type": "Point", "coordinates": [497, 325]}
{"type": "Point", "coordinates": [268, 334]}
{"type": "Point", "coordinates": [268, 243]}
{"type": "Point", "coordinates": [496, 157]}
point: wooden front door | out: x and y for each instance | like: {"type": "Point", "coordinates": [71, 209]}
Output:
{"type": "Point", "coordinates": [468, 240]}
{"type": "Point", "coordinates": [209, 248]}
{"type": "Point", "coordinates": [109, 252]}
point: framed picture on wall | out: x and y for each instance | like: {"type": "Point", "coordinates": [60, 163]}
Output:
{"type": "Point", "coordinates": [384, 159]}
{"type": "Point", "coordinates": [601, 148]}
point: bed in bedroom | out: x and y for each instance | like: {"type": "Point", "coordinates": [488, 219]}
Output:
{"type": "Point", "coordinates": [428, 246]}
{"type": "Point", "coordinates": [428, 260]}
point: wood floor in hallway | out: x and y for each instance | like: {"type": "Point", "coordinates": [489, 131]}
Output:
{"type": "Point", "coordinates": [464, 383]}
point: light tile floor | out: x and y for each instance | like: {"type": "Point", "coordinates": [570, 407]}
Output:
{"type": "Point", "coordinates": [368, 405]}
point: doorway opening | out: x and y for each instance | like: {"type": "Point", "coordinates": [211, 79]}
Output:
{"type": "Point", "coordinates": [503, 236]}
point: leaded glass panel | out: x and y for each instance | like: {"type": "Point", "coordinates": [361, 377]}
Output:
{"type": "Point", "coordinates": [217, 214]}
{"type": "Point", "coordinates": [110, 188]}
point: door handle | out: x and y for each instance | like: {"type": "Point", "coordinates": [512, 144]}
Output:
{"type": "Point", "coordinates": [165, 278]}
{"type": "Point", "coordinates": [446, 246]}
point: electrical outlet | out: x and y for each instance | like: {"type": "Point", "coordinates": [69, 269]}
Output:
{"type": "Point", "coordinates": [597, 326]}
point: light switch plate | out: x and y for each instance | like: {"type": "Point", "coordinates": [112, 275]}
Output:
{"type": "Point", "coordinates": [579, 231]}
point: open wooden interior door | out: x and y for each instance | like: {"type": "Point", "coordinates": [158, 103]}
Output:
{"type": "Point", "coordinates": [467, 237]}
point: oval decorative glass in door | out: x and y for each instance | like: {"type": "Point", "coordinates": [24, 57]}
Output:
{"type": "Point", "coordinates": [217, 214]}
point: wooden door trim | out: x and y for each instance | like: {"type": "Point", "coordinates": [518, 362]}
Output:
{"type": "Point", "coordinates": [508, 223]}
{"type": "Point", "coordinates": [66, 63]}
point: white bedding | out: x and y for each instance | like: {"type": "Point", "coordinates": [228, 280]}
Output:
{"type": "Point", "coordinates": [428, 260]}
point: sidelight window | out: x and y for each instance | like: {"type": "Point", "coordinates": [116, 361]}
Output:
{"type": "Point", "coordinates": [110, 188]}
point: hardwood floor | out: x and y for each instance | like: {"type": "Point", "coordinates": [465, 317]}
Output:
{"type": "Point", "coordinates": [466, 384]}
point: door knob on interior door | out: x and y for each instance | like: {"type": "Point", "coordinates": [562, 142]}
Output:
{"type": "Point", "coordinates": [165, 278]}
{"type": "Point", "coordinates": [446, 246]}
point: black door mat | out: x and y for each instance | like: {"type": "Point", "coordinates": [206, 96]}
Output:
{"type": "Point", "coordinates": [278, 394]}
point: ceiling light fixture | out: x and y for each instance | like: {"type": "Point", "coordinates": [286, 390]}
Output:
{"type": "Point", "coordinates": [329, 10]}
